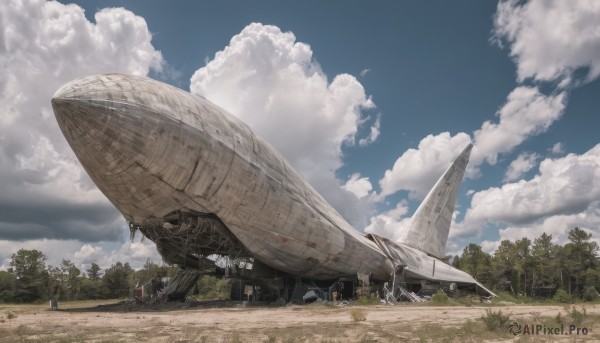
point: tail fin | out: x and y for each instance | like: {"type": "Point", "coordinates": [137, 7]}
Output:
{"type": "Point", "coordinates": [429, 226]}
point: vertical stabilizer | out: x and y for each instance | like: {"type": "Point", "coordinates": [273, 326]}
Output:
{"type": "Point", "coordinates": [429, 226]}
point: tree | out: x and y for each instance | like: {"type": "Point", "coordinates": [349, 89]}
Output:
{"type": "Point", "coordinates": [522, 264]}
{"type": "Point", "coordinates": [7, 286]}
{"type": "Point", "coordinates": [475, 262]}
{"type": "Point", "coordinates": [545, 265]}
{"type": "Point", "coordinates": [116, 280]}
{"type": "Point", "coordinates": [503, 265]}
{"type": "Point", "coordinates": [29, 269]}
{"type": "Point", "coordinates": [94, 272]}
{"type": "Point", "coordinates": [71, 274]}
{"type": "Point", "coordinates": [581, 260]}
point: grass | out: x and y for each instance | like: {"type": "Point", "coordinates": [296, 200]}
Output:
{"type": "Point", "coordinates": [335, 324]}
{"type": "Point", "coordinates": [368, 300]}
{"type": "Point", "coordinates": [358, 315]}
{"type": "Point", "coordinates": [495, 321]}
{"type": "Point", "coordinates": [440, 298]}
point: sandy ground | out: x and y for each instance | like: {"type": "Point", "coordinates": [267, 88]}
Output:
{"type": "Point", "coordinates": [87, 322]}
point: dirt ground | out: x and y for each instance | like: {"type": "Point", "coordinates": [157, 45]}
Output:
{"type": "Point", "coordinates": [233, 322]}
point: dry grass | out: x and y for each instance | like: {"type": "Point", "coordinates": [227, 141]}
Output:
{"type": "Point", "coordinates": [317, 323]}
{"type": "Point", "coordinates": [358, 315]}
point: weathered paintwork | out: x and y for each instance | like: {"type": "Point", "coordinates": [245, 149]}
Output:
{"type": "Point", "coordinates": [430, 225]}
{"type": "Point", "coordinates": [153, 149]}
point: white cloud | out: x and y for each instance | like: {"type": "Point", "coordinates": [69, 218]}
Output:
{"type": "Point", "coordinates": [84, 254]}
{"type": "Point", "coordinates": [271, 82]}
{"type": "Point", "coordinates": [526, 113]}
{"type": "Point", "coordinates": [521, 165]}
{"type": "Point", "coordinates": [565, 187]}
{"type": "Point", "coordinates": [550, 39]}
{"type": "Point", "coordinates": [359, 186]}
{"type": "Point", "coordinates": [389, 224]}
{"type": "Point", "coordinates": [489, 246]}
{"type": "Point", "coordinates": [364, 72]}
{"type": "Point", "coordinates": [375, 131]}
{"type": "Point", "coordinates": [558, 226]}
{"type": "Point", "coordinates": [44, 44]}
{"type": "Point", "coordinates": [417, 170]}
{"type": "Point", "coordinates": [557, 149]}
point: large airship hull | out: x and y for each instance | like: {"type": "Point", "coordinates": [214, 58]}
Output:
{"type": "Point", "coordinates": [155, 151]}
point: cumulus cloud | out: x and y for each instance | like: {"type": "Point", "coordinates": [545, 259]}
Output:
{"type": "Point", "coordinates": [551, 42]}
{"type": "Point", "coordinates": [558, 225]}
{"type": "Point", "coordinates": [359, 186]}
{"type": "Point", "coordinates": [44, 44]}
{"type": "Point", "coordinates": [565, 187]}
{"type": "Point", "coordinates": [390, 223]}
{"type": "Point", "coordinates": [417, 170]}
{"type": "Point", "coordinates": [527, 112]}
{"type": "Point", "coordinates": [271, 81]}
{"type": "Point", "coordinates": [521, 165]}
{"type": "Point", "coordinates": [375, 131]}
{"type": "Point", "coordinates": [557, 149]}
{"type": "Point", "coordinates": [84, 254]}
{"type": "Point", "coordinates": [548, 40]}
{"type": "Point", "coordinates": [490, 246]}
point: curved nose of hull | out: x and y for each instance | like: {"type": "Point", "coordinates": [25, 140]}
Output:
{"type": "Point", "coordinates": [117, 139]}
{"type": "Point", "coordinates": [102, 131]}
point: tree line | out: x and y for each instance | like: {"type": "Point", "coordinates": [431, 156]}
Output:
{"type": "Point", "coordinates": [538, 269]}
{"type": "Point", "coordinates": [29, 279]}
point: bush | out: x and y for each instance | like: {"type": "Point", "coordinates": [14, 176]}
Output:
{"type": "Point", "coordinates": [358, 315]}
{"type": "Point", "coordinates": [495, 320]}
{"type": "Point", "coordinates": [368, 300]}
{"type": "Point", "coordinates": [11, 315]}
{"type": "Point", "coordinates": [440, 297]}
{"type": "Point", "coordinates": [212, 288]}
{"type": "Point", "coordinates": [561, 296]}
{"type": "Point", "coordinates": [577, 316]}
{"type": "Point", "coordinates": [590, 293]}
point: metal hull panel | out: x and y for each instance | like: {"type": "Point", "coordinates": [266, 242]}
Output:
{"type": "Point", "coordinates": [153, 149]}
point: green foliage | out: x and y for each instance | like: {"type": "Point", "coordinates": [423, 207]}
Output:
{"type": "Point", "coordinates": [559, 319]}
{"type": "Point", "coordinates": [29, 269]}
{"type": "Point", "coordinates": [116, 280]}
{"type": "Point", "coordinates": [577, 316]}
{"type": "Point", "coordinates": [475, 262]}
{"type": "Point", "coordinates": [537, 269]}
{"type": "Point", "coordinates": [440, 298]}
{"type": "Point", "coordinates": [211, 288]}
{"type": "Point", "coordinates": [8, 284]}
{"type": "Point", "coordinates": [94, 272]}
{"type": "Point", "coordinates": [495, 320]}
{"type": "Point", "coordinates": [561, 296]}
{"type": "Point", "coordinates": [358, 315]}
{"type": "Point", "coordinates": [91, 289]}
{"type": "Point", "coordinates": [11, 315]}
{"type": "Point", "coordinates": [368, 300]}
{"type": "Point", "coordinates": [590, 293]}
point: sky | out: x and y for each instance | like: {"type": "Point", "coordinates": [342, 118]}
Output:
{"type": "Point", "coordinates": [369, 101]}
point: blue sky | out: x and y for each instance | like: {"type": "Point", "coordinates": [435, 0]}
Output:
{"type": "Point", "coordinates": [414, 70]}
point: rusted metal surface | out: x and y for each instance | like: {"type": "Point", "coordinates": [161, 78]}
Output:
{"type": "Point", "coordinates": [153, 149]}
{"type": "Point", "coordinates": [417, 265]}
{"type": "Point", "coordinates": [429, 226]}
{"type": "Point", "coordinates": [198, 181]}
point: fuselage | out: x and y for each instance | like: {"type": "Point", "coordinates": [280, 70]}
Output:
{"type": "Point", "coordinates": [153, 149]}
